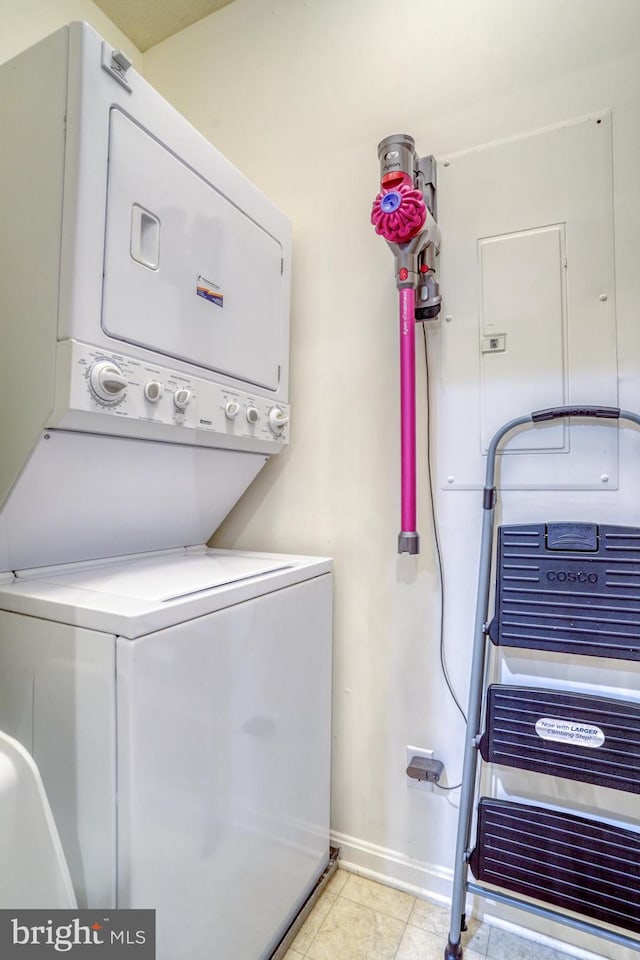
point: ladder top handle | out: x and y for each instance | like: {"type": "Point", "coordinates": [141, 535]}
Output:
{"type": "Point", "coordinates": [556, 413]}
{"type": "Point", "coordinates": [540, 416]}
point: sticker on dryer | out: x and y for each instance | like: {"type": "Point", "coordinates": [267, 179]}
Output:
{"type": "Point", "coordinates": [570, 731]}
{"type": "Point", "coordinates": [209, 291]}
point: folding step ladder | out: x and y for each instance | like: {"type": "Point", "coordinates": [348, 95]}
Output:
{"type": "Point", "coordinates": [572, 588]}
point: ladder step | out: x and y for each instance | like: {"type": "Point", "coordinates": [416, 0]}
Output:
{"type": "Point", "coordinates": [585, 866]}
{"type": "Point", "coordinates": [572, 735]}
{"type": "Point", "coordinates": [570, 588]}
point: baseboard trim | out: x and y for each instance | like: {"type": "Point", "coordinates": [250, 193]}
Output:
{"type": "Point", "coordinates": [394, 869]}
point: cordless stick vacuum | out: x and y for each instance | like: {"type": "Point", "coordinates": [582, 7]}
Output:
{"type": "Point", "coordinates": [404, 214]}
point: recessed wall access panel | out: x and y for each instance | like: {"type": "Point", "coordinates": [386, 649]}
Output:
{"type": "Point", "coordinates": [523, 331]}
{"type": "Point", "coordinates": [528, 318]}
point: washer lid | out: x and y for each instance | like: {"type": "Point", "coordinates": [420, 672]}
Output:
{"type": "Point", "coordinates": [164, 578]}
{"type": "Point", "coordinates": [134, 596]}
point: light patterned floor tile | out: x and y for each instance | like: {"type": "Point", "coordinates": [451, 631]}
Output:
{"type": "Point", "coordinates": [430, 917]}
{"type": "Point", "coordinates": [337, 882]}
{"type": "Point", "coordinates": [417, 944]}
{"type": "Point", "coordinates": [435, 919]}
{"type": "Point", "coordinates": [393, 903]}
{"type": "Point", "coordinates": [476, 937]}
{"type": "Point", "coordinates": [354, 932]}
{"type": "Point", "coordinates": [507, 946]}
{"type": "Point", "coordinates": [312, 924]}
{"type": "Point", "coordinates": [359, 919]}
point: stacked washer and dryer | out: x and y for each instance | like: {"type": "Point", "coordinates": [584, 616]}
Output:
{"type": "Point", "coordinates": [175, 698]}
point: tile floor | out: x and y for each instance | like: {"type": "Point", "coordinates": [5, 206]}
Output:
{"type": "Point", "coordinates": [358, 919]}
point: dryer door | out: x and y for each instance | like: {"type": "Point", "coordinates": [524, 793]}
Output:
{"type": "Point", "coordinates": [186, 273]}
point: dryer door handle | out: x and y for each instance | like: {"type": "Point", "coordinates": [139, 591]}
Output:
{"type": "Point", "coordinates": [145, 237]}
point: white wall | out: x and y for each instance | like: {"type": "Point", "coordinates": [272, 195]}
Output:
{"type": "Point", "coordinates": [25, 22]}
{"type": "Point", "coordinates": [298, 94]}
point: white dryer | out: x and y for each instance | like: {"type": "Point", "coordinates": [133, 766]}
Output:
{"type": "Point", "coordinates": [144, 294]}
{"type": "Point", "coordinates": [176, 699]}
{"type": "Point", "coordinates": [177, 708]}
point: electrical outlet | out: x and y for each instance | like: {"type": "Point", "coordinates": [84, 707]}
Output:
{"type": "Point", "coordinates": [417, 752]}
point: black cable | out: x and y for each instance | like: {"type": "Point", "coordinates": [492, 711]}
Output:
{"type": "Point", "coordinates": [436, 537]}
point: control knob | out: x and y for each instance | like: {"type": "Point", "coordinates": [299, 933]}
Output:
{"type": "Point", "coordinates": [253, 414]}
{"type": "Point", "coordinates": [182, 398]}
{"type": "Point", "coordinates": [107, 381]}
{"type": "Point", "coordinates": [278, 420]}
{"type": "Point", "coordinates": [231, 409]}
{"type": "Point", "coordinates": [153, 391]}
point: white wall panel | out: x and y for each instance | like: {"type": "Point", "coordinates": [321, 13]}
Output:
{"type": "Point", "coordinates": [532, 324]}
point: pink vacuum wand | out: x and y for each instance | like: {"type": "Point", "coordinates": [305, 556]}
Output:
{"type": "Point", "coordinates": [403, 214]}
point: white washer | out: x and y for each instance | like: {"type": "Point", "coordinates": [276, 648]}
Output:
{"type": "Point", "coordinates": [177, 705]}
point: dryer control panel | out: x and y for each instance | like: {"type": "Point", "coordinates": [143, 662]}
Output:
{"type": "Point", "coordinates": [125, 396]}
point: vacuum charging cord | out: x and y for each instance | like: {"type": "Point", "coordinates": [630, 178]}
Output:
{"type": "Point", "coordinates": [436, 537]}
